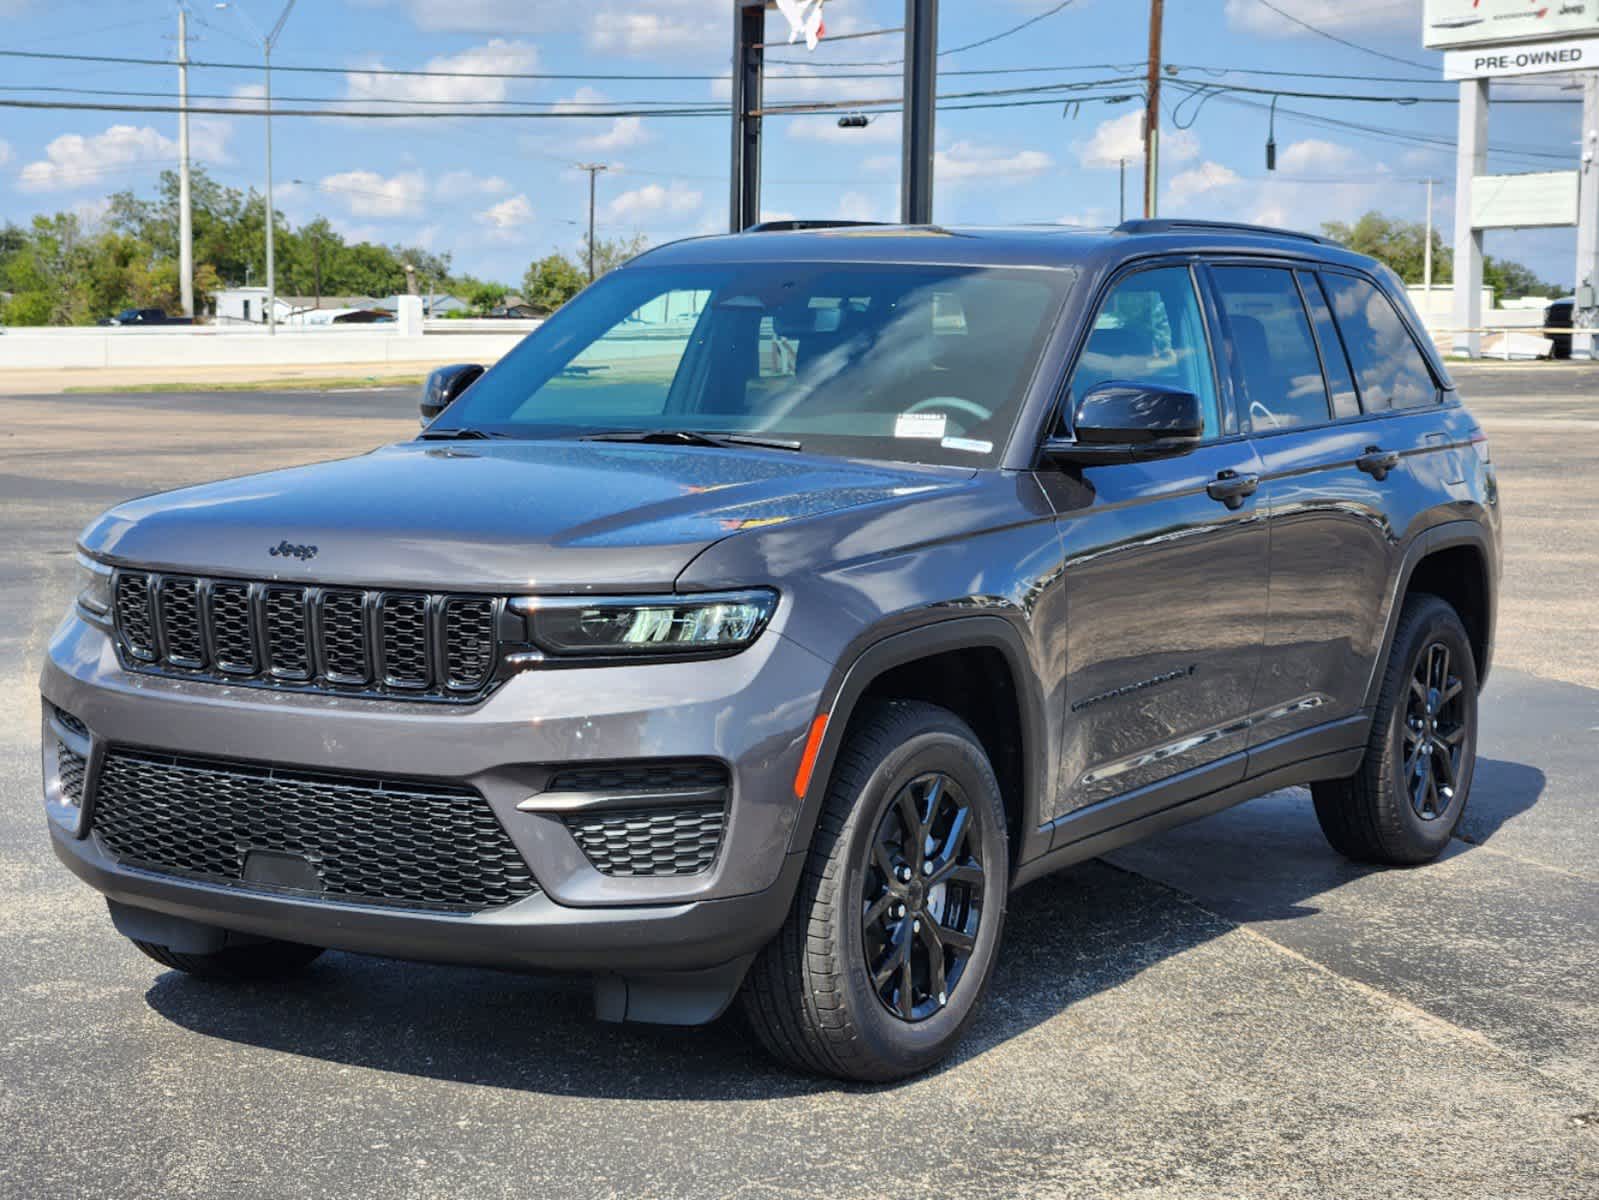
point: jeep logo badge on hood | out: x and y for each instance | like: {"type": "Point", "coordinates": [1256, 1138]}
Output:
{"type": "Point", "coordinates": [287, 549]}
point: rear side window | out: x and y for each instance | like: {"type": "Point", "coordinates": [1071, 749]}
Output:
{"type": "Point", "coordinates": [1150, 330]}
{"type": "Point", "coordinates": [1388, 364]}
{"type": "Point", "coordinates": [1274, 345]}
{"type": "Point", "coordinates": [1333, 359]}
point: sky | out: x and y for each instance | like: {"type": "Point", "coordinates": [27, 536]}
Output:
{"type": "Point", "coordinates": [499, 193]}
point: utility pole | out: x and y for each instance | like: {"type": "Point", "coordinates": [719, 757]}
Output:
{"type": "Point", "coordinates": [185, 214]}
{"type": "Point", "coordinates": [1157, 17]}
{"type": "Point", "coordinates": [921, 83]}
{"type": "Point", "coordinates": [268, 40]}
{"type": "Point", "coordinates": [594, 170]}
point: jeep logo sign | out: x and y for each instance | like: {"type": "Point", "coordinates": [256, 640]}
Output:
{"type": "Point", "coordinates": [287, 549]}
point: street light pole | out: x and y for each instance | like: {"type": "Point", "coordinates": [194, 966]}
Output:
{"type": "Point", "coordinates": [268, 40]}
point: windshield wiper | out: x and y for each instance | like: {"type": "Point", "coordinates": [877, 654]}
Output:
{"type": "Point", "coordinates": [457, 435]}
{"type": "Point", "coordinates": [691, 437]}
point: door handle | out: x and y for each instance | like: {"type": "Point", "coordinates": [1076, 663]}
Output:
{"type": "Point", "coordinates": [1232, 489]}
{"type": "Point", "coordinates": [1377, 462]}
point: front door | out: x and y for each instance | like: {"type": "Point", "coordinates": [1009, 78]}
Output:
{"type": "Point", "coordinates": [1165, 582]}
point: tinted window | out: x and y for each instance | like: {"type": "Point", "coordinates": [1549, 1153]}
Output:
{"type": "Point", "coordinates": [916, 363]}
{"type": "Point", "coordinates": [1150, 330]}
{"type": "Point", "coordinates": [1334, 362]}
{"type": "Point", "coordinates": [1387, 361]}
{"type": "Point", "coordinates": [1275, 347]}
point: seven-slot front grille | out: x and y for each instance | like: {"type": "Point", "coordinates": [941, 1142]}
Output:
{"type": "Point", "coordinates": [309, 638]}
{"type": "Point", "coordinates": [368, 840]}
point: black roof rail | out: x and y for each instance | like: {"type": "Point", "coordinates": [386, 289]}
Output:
{"type": "Point", "coordinates": [1179, 224]}
{"type": "Point", "coordinates": [796, 223]}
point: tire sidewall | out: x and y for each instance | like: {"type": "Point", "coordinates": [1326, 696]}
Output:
{"type": "Point", "coordinates": [913, 1046]}
{"type": "Point", "coordinates": [1438, 624]}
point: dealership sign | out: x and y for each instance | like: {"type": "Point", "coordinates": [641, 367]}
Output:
{"type": "Point", "coordinates": [1449, 23]}
{"type": "Point", "coordinates": [1486, 62]}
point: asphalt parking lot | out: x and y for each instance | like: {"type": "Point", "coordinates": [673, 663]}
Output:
{"type": "Point", "coordinates": [1227, 1010]}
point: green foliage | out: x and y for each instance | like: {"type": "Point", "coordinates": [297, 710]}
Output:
{"type": "Point", "coordinates": [1401, 245]}
{"type": "Point", "coordinates": [610, 253]}
{"type": "Point", "coordinates": [551, 282]}
{"type": "Point", "coordinates": [61, 273]}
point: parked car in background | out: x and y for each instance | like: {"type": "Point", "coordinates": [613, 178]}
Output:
{"type": "Point", "coordinates": [1559, 315]}
{"type": "Point", "coordinates": [146, 316]}
{"type": "Point", "coordinates": [760, 656]}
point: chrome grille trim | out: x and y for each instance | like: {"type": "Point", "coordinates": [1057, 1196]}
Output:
{"type": "Point", "coordinates": [399, 644]}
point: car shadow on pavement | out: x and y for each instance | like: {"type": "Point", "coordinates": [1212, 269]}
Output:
{"type": "Point", "coordinates": [1069, 937]}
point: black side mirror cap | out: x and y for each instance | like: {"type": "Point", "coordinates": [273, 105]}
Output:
{"type": "Point", "coordinates": [1127, 422]}
{"type": "Point", "coordinates": [444, 387]}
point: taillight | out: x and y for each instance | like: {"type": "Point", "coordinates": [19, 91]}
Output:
{"type": "Point", "coordinates": [1479, 443]}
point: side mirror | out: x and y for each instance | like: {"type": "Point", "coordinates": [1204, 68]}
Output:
{"type": "Point", "coordinates": [1124, 422]}
{"type": "Point", "coordinates": [444, 386]}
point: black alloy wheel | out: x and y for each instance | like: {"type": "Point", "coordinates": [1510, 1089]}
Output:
{"type": "Point", "coordinates": [1434, 733]}
{"type": "Point", "coordinates": [922, 897]}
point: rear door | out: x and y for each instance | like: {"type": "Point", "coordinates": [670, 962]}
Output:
{"type": "Point", "coordinates": [1165, 584]}
{"type": "Point", "coordinates": [1336, 473]}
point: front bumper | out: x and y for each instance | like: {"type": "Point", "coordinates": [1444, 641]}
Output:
{"type": "Point", "coordinates": [750, 711]}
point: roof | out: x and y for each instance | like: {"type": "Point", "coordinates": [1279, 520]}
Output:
{"type": "Point", "coordinates": [1014, 246]}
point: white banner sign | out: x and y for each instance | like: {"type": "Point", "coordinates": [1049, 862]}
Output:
{"type": "Point", "coordinates": [1448, 23]}
{"type": "Point", "coordinates": [1489, 62]}
{"type": "Point", "coordinates": [1524, 201]}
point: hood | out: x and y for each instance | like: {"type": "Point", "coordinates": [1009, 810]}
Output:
{"type": "Point", "coordinates": [553, 516]}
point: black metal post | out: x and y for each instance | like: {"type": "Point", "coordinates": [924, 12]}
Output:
{"type": "Point", "coordinates": [921, 82]}
{"type": "Point", "coordinates": [749, 57]}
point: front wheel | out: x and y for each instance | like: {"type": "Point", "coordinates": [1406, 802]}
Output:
{"type": "Point", "coordinates": [1402, 806]}
{"type": "Point", "coordinates": [893, 935]}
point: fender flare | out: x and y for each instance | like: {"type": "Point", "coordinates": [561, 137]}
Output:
{"type": "Point", "coordinates": [1430, 541]}
{"type": "Point", "coordinates": [848, 684]}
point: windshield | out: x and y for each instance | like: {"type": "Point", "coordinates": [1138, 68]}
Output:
{"type": "Point", "coordinates": [915, 363]}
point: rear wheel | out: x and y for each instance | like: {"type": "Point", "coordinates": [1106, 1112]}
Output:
{"type": "Point", "coordinates": [892, 937]}
{"type": "Point", "coordinates": [254, 960]}
{"type": "Point", "coordinates": [1402, 806]}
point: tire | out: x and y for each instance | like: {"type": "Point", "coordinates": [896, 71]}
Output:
{"type": "Point", "coordinates": [236, 964]}
{"type": "Point", "coordinates": [1385, 813]}
{"type": "Point", "coordinates": [809, 996]}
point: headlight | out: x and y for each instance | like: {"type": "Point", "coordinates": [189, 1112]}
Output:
{"type": "Point", "coordinates": [710, 623]}
{"type": "Point", "coordinates": [94, 589]}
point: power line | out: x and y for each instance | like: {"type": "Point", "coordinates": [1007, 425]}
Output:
{"type": "Point", "coordinates": [894, 62]}
{"type": "Point", "coordinates": [1342, 41]}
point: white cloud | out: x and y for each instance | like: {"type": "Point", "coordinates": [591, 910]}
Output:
{"type": "Point", "coordinates": [622, 132]}
{"type": "Point", "coordinates": [368, 194]}
{"type": "Point", "coordinates": [1122, 138]}
{"type": "Point", "coordinates": [481, 63]}
{"type": "Point", "coordinates": [508, 220]}
{"type": "Point", "coordinates": [856, 206]}
{"type": "Point", "coordinates": [1316, 157]}
{"type": "Point", "coordinates": [1364, 16]}
{"type": "Point", "coordinates": [73, 160]}
{"type": "Point", "coordinates": [659, 28]}
{"type": "Point", "coordinates": [652, 200]}
{"type": "Point", "coordinates": [974, 160]}
{"type": "Point", "coordinates": [1197, 181]}
{"type": "Point", "coordinates": [1088, 218]}
{"type": "Point", "coordinates": [456, 185]}
{"type": "Point", "coordinates": [5, 152]}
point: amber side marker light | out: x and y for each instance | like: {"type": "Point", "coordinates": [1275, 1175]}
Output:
{"type": "Point", "coordinates": [813, 747]}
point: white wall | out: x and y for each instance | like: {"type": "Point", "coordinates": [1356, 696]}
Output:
{"type": "Point", "coordinates": [208, 346]}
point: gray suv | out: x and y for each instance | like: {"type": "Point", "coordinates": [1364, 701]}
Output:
{"type": "Point", "coordinates": [765, 619]}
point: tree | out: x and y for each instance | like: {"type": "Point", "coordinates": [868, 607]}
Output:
{"type": "Point", "coordinates": [610, 253]}
{"type": "Point", "coordinates": [551, 282]}
{"type": "Point", "coordinates": [1401, 245]}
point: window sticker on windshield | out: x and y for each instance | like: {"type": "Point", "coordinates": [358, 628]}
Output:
{"type": "Point", "coordinates": [919, 425]}
{"type": "Point", "coordinates": [971, 445]}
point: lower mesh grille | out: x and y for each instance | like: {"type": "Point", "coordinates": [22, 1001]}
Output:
{"type": "Point", "coordinates": [370, 841]}
{"type": "Point", "coordinates": [651, 841]}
